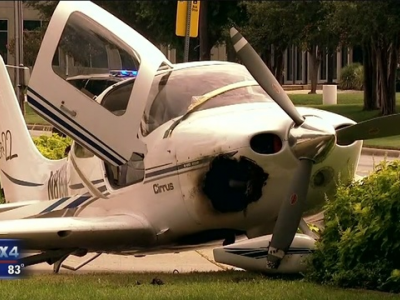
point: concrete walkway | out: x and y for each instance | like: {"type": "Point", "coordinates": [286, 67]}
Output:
{"type": "Point", "coordinates": [320, 91]}
{"type": "Point", "coordinates": [36, 133]}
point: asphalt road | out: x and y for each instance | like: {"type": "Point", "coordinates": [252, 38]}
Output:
{"type": "Point", "coordinates": [183, 262]}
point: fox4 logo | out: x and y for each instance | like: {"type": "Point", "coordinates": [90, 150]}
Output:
{"type": "Point", "coordinates": [8, 252]}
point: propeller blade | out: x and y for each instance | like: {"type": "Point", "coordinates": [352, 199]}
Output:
{"type": "Point", "coordinates": [370, 129]}
{"type": "Point", "coordinates": [263, 75]}
{"type": "Point", "coordinates": [290, 213]}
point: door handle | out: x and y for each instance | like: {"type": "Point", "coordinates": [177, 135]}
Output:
{"type": "Point", "coordinates": [67, 110]}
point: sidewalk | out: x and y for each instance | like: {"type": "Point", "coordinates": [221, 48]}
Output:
{"type": "Point", "coordinates": [380, 152]}
{"type": "Point", "coordinates": [39, 127]}
{"type": "Point", "coordinates": [320, 91]}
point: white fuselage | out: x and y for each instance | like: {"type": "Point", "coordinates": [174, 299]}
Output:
{"type": "Point", "coordinates": [131, 184]}
{"type": "Point", "coordinates": [171, 195]}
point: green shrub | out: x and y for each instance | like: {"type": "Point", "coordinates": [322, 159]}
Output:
{"type": "Point", "coordinates": [52, 147]}
{"type": "Point", "coordinates": [352, 77]}
{"type": "Point", "coordinates": [360, 245]}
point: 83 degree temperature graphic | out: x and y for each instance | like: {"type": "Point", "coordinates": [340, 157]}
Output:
{"type": "Point", "coordinates": [10, 256]}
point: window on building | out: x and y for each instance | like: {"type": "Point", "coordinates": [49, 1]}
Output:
{"type": "Point", "coordinates": [289, 64]}
{"type": "Point", "coordinates": [3, 39]}
{"type": "Point", "coordinates": [31, 25]}
{"type": "Point", "coordinates": [344, 56]}
{"type": "Point", "coordinates": [299, 64]}
{"type": "Point", "coordinates": [323, 66]}
{"type": "Point", "coordinates": [335, 65]}
{"type": "Point", "coordinates": [305, 79]}
{"type": "Point", "coordinates": [357, 54]}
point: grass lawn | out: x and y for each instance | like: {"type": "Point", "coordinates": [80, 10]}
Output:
{"type": "Point", "coordinates": [316, 99]}
{"type": "Point", "coordinates": [350, 105]}
{"type": "Point", "coordinates": [214, 285]}
{"type": "Point", "coordinates": [32, 118]}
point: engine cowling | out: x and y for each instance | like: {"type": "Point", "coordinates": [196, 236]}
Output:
{"type": "Point", "coordinates": [251, 255]}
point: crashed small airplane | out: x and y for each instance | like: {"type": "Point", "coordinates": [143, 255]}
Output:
{"type": "Point", "coordinates": [176, 157]}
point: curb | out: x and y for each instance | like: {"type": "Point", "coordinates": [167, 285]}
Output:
{"type": "Point", "coordinates": [39, 127]}
{"type": "Point", "coordinates": [380, 152]}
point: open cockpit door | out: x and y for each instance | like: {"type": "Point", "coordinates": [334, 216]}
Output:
{"type": "Point", "coordinates": [84, 40]}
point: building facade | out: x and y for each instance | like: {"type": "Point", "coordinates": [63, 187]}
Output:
{"type": "Point", "coordinates": [297, 65]}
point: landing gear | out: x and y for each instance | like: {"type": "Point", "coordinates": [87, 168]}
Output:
{"type": "Point", "coordinates": [229, 240]}
{"type": "Point", "coordinates": [56, 258]}
{"type": "Point", "coordinates": [82, 264]}
{"type": "Point", "coordinates": [59, 264]}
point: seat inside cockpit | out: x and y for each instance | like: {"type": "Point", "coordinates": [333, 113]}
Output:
{"type": "Point", "coordinates": [132, 172]}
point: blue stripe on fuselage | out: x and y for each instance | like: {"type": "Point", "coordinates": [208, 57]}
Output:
{"type": "Point", "coordinates": [105, 152]}
{"type": "Point", "coordinates": [78, 202]}
{"type": "Point", "coordinates": [55, 204]}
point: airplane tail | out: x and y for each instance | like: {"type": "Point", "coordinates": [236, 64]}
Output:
{"type": "Point", "coordinates": [24, 172]}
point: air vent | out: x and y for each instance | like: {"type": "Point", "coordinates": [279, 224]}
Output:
{"type": "Point", "coordinates": [266, 143]}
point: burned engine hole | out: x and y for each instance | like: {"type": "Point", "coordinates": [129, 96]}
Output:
{"type": "Point", "coordinates": [232, 184]}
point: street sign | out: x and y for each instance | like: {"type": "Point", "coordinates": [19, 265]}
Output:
{"type": "Point", "coordinates": [181, 18]}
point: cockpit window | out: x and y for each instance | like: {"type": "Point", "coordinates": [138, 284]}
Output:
{"type": "Point", "coordinates": [89, 55]}
{"type": "Point", "coordinates": [172, 92]}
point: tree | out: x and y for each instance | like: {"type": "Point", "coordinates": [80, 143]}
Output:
{"type": "Point", "coordinates": [271, 24]}
{"type": "Point", "coordinates": [45, 8]}
{"type": "Point", "coordinates": [156, 20]}
{"type": "Point", "coordinates": [345, 19]}
{"type": "Point", "coordinates": [32, 39]}
{"type": "Point", "coordinates": [159, 19]}
{"type": "Point", "coordinates": [219, 17]}
{"type": "Point", "coordinates": [316, 34]}
{"type": "Point", "coordinates": [376, 27]}
{"type": "Point", "coordinates": [287, 23]}
{"type": "Point", "coordinates": [31, 45]}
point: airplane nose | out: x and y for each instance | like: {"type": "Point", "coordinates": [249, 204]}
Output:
{"type": "Point", "coordinates": [313, 140]}
{"type": "Point", "coordinates": [251, 254]}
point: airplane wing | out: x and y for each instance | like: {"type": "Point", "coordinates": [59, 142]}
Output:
{"type": "Point", "coordinates": [91, 233]}
{"type": "Point", "coordinates": [10, 206]}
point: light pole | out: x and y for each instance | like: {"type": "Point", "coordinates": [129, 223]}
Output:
{"type": "Point", "coordinates": [19, 52]}
{"type": "Point", "coordinates": [187, 33]}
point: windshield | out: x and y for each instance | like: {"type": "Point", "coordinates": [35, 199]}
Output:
{"type": "Point", "coordinates": [174, 92]}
